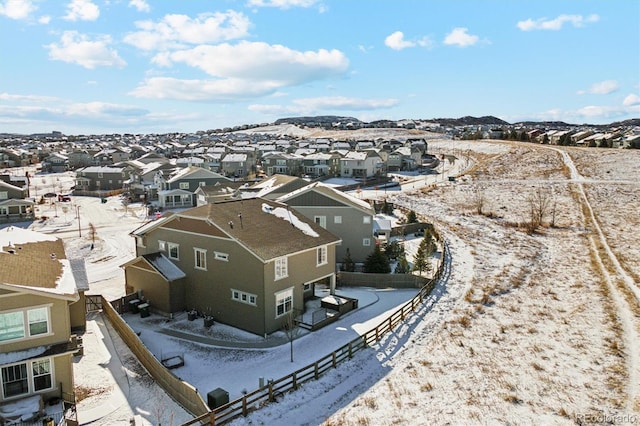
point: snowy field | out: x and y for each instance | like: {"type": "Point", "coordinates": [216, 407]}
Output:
{"type": "Point", "coordinates": [527, 328]}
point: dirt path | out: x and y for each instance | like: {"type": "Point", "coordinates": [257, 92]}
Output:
{"type": "Point", "coordinates": [623, 290]}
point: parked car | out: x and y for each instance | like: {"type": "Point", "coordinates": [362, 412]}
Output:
{"type": "Point", "coordinates": [62, 197]}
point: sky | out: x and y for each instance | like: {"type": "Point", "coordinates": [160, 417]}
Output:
{"type": "Point", "coordinates": [141, 66]}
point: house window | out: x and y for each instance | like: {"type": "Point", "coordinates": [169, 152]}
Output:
{"type": "Point", "coordinates": [100, 175]}
{"type": "Point", "coordinates": [284, 302]}
{"type": "Point", "coordinates": [200, 258]}
{"type": "Point", "coordinates": [220, 256]}
{"type": "Point", "coordinates": [337, 219]}
{"type": "Point", "coordinates": [203, 184]}
{"type": "Point", "coordinates": [321, 220]}
{"type": "Point", "coordinates": [11, 326]}
{"type": "Point", "coordinates": [366, 219]}
{"type": "Point", "coordinates": [306, 286]}
{"type": "Point", "coordinates": [174, 252]}
{"type": "Point", "coordinates": [366, 242]}
{"type": "Point", "coordinates": [38, 321]}
{"type": "Point", "coordinates": [281, 268]}
{"type": "Point", "coordinates": [184, 185]}
{"type": "Point", "coordinates": [162, 245]}
{"type": "Point", "coordinates": [4, 195]}
{"type": "Point", "coordinates": [321, 258]}
{"type": "Point", "coordinates": [41, 375]}
{"type": "Point", "coordinates": [243, 297]}
{"type": "Point", "coordinates": [15, 380]}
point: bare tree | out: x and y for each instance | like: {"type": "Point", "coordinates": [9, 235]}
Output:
{"type": "Point", "coordinates": [479, 199]}
{"type": "Point", "coordinates": [291, 328]}
{"type": "Point", "coordinates": [92, 233]}
{"type": "Point", "coordinates": [538, 203]}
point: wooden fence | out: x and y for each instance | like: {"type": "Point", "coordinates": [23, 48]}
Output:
{"type": "Point", "coordinates": [255, 400]}
{"type": "Point", "coordinates": [181, 391]}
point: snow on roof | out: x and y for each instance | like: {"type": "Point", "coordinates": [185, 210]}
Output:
{"type": "Point", "coordinates": [286, 214]}
{"type": "Point", "coordinates": [15, 356]}
{"type": "Point", "coordinates": [167, 268]}
{"type": "Point", "coordinates": [14, 235]}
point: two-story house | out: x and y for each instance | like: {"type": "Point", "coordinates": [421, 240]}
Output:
{"type": "Point", "coordinates": [247, 263]}
{"type": "Point", "coordinates": [322, 164]}
{"type": "Point", "coordinates": [13, 205]}
{"type": "Point", "coordinates": [178, 189]}
{"type": "Point", "coordinates": [343, 215]}
{"type": "Point", "coordinates": [39, 308]}
{"type": "Point", "coordinates": [100, 178]}
{"type": "Point", "coordinates": [361, 164]}
{"type": "Point", "coordinates": [282, 163]}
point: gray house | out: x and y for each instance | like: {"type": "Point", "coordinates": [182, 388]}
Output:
{"type": "Point", "coordinates": [347, 217]}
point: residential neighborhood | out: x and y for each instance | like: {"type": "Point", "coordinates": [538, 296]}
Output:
{"type": "Point", "coordinates": [239, 227]}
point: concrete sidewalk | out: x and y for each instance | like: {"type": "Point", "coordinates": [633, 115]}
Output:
{"type": "Point", "coordinates": [100, 351]}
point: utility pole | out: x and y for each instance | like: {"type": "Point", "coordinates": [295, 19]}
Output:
{"type": "Point", "coordinates": [78, 214]}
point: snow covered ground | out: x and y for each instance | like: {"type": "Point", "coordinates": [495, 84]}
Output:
{"type": "Point", "coordinates": [539, 328]}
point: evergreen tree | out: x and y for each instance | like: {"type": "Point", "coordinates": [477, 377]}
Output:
{"type": "Point", "coordinates": [347, 263]}
{"type": "Point", "coordinates": [403, 265]}
{"type": "Point", "coordinates": [377, 262]}
{"type": "Point", "coordinates": [394, 250]}
{"type": "Point", "coordinates": [412, 217]}
{"type": "Point", "coordinates": [422, 258]}
{"type": "Point", "coordinates": [419, 260]}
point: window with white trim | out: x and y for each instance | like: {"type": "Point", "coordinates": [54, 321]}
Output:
{"type": "Point", "coordinates": [321, 255]}
{"type": "Point", "coordinates": [337, 219]}
{"type": "Point", "coordinates": [281, 268]}
{"type": "Point", "coordinates": [200, 256]}
{"type": "Point", "coordinates": [284, 302]}
{"type": "Point", "coordinates": [366, 242]}
{"type": "Point", "coordinates": [26, 377]}
{"type": "Point", "coordinates": [4, 195]}
{"type": "Point", "coordinates": [24, 323]}
{"type": "Point", "coordinates": [184, 185]}
{"type": "Point", "coordinates": [244, 297]}
{"type": "Point", "coordinates": [366, 220]}
{"type": "Point", "coordinates": [174, 251]}
{"type": "Point", "coordinates": [320, 220]}
{"type": "Point", "coordinates": [220, 256]}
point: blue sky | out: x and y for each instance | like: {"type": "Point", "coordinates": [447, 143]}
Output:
{"type": "Point", "coordinates": [143, 66]}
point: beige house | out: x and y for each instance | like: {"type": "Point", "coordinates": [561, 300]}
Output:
{"type": "Point", "coordinates": [39, 307]}
{"type": "Point", "coordinates": [247, 263]}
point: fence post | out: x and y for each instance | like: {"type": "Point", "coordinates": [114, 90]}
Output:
{"type": "Point", "coordinates": [350, 351]}
{"type": "Point", "coordinates": [244, 406]}
{"type": "Point", "coordinates": [390, 323]}
{"type": "Point", "coordinates": [212, 418]}
{"type": "Point", "coordinates": [270, 391]}
{"type": "Point", "coordinates": [294, 381]}
{"type": "Point", "coordinates": [315, 370]}
{"type": "Point", "coordinates": [377, 334]}
{"type": "Point", "coordinates": [334, 359]}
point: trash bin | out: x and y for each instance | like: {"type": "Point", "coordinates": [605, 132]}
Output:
{"type": "Point", "coordinates": [48, 421]}
{"type": "Point", "coordinates": [144, 310]}
{"type": "Point", "coordinates": [217, 398]}
{"type": "Point", "coordinates": [104, 200]}
{"type": "Point", "coordinates": [133, 306]}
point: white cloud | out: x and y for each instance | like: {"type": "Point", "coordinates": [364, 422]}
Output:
{"type": "Point", "coordinates": [460, 37]}
{"type": "Point", "coordinates": [78, 49]}
{"type": "Point", "coordinates": [602, 88]}
{"type": "Point", "coordinates": [556, 23]}
{"type": "Point", "coordinates": [175, 30]}
{"type": "Point", "coordinates": [344, 103]}
{"type": "Point", "coordinates": [140, 5]}
{"type": "Point", "coordinates": [82, 10]}
{"type": "Point", "coordinates": [310, 106]}
{"type": "Point", "coordinates": [17, 9]}
{"type": "Point", "coordinates": [222, 90]}
{"type": "Point", "coordinates": [282, 4]}
{"type": "Point", "coordinates": [396, 41]}
{"type": "Point", "coordinates": [45, 19]}
{"type": "Point", "coordinates": [631, 100]}
{"type": "Point", "coordinates": [259, 61]}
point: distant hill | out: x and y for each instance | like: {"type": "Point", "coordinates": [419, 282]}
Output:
{"type": "Point", "coordinates": [488, 120]}
{"type": "Point", "coordinates": [321, 119]}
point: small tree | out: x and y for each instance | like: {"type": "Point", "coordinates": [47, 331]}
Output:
{"type": "Point", "coordinates": [393, 250]}
{"type": "Point", "coordinates": [291, 328]}
{"type": "Point", "coordinates": [377, 262]}
{"type": "Point", "coordinates": [92, 233]}
{"type": "Point", "coordinates": [347, 263]}
{"type": "Point", "coordinates": [412, 217]}
{"type": "Point", "coordinates": [479, 199]}
{"type": "Point", "coordinates": [422, 258]}
{"type": "Point", "coordinates": [403, 265]}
